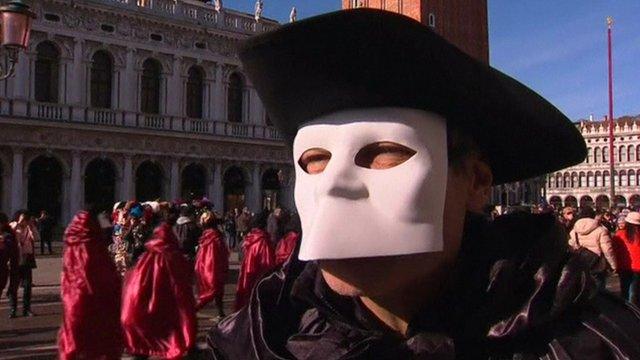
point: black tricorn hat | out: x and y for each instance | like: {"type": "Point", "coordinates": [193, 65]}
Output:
{"type": "Point", "coordinates": [368, 58]}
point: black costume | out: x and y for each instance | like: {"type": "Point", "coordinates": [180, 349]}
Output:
{"type": "Point", "coordinates": [517, 292]}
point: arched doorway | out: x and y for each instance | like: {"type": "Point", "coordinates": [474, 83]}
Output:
{"type": "Point", "coordinates": [602, 202]}
{"type": "Point", "coordinates": [620, 201]}
{"type": "Point", "coordinates": [634, 201]}
{"type": "Point", "coordinates": [100, 184]}
{"type": "Point", "coordinates": [45, 186]}
{"type": "Point", "coordinates": [194, 180]}
{"type": "Point", "coordinates": [149, 181]}
{"type": "Point", "coordinates": [586, 201]}
{"type": "Point", "coordinates": [571, 201]}
{"type": "Point", "coordinates": [556, 201]}
{"type": "Point", "coordinates": [270, 188]}
{"type": "Point", "coordinates": [234, 184]}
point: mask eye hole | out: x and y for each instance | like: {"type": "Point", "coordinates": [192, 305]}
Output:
{"type": "Point", "coordinates": [383, 155]}
{"type": "Point", "coordinates": [313, 161]}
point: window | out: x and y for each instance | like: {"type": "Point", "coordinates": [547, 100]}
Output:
{"type": "Point", "coordinates": [101, 75]}
{"type": "Point", "coordinates": [605, 154]}
{"type": "Point", "coordinates": [195, 84]}
{"type": "Point", "coordinates": [234, 98]}
{"type": "Point", "coordinates": [150, 87]}
{"type": "Point", "coordinates": [46, 72]}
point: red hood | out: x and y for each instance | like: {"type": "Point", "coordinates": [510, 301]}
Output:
{"type": "Point", "coordinates": [82, 229]}
{"type": "Point", "coordinates": [163, 239]}
{"type": "Point", "coordinates": [209, 236]}
{"type": "Point", "coordinates": [256, 235]}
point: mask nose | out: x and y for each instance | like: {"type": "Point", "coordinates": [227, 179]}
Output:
{"type": "Point", "coordinates": [343, 182]}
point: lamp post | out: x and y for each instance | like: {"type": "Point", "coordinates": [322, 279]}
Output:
{"type": "Point", "coordinates": [612, 203]}
{"type": "Point", "coordinates": [16, 28]}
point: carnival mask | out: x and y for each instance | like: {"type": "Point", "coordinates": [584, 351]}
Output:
{"type": "Point", "coordinates": [351, 210]}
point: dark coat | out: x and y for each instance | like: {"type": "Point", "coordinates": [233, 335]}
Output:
{"type": "Point", "coordinates": [517, 291]}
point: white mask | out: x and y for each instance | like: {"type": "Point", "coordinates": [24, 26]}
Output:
{"type": "Point", "coordinates": [349, 211]}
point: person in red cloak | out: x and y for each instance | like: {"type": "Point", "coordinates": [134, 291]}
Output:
{"type": "Point", "coordinates": [212, 263]}
{"type": "Point", "coordinates": [90, 291]}
{"type": "Point", "coordinates": [158, 306]}
{"type": "Point", "coordinates": [259, 258]}
{"type": "Point", "coordinates": [289, 241]}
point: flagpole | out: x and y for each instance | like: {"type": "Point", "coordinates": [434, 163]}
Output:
{"type": "Point", "coordinates": [611, 120]}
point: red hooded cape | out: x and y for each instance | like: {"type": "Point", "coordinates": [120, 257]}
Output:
{"type": "Point", "coordinates": [212, 266]}
{"type": "Point", "coordinates": [259, 259]}
{"type": "Point", "coordinates": [90, 293]}
{"type": "Point", "coordinates": [158, 307]}
{"type": "Point", "coordinates": [285, 247]}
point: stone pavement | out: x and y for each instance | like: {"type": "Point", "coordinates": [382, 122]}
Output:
{"type": "Point", "coordinates": [35, 337]}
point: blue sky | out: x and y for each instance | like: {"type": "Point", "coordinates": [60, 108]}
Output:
{"type": "Point", "coordinates": [558, 48]}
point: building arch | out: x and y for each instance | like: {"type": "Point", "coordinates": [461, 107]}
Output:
{"type": "Point", "coordinates": [45, 177]}
{"type": "Point", "coordinates": [235, 97]}
{"type": "Point", "coordinates": [47, 72]}
{"type": "Point", "coordinates": [234, 183]}
{"type": "Point", "coordinates": [101, 79]}
{"type": "Point", "coordinates": [586, 201]}
{"type": "Point", "coordinates": [634, 201]}
{"type": "Point", "coordinates": [270, 188]}
{"type": "Point", "coordinates": [620, 201]}
{"type": "Point", "coordinates": [602, 202]}
{"type": "Point", "coordinates": [150, 81]}
{"type": "Point", "coordinates": [149, 181]}
{"type": "Point", "coordinates": [100, 177]}
{"type": "Point", "coordinates": [556, 201]}
{"type": "Point", "coordinates": [195, 92]}
{"type": "Point", "coordinates": [571, 201]}
{"type": "Point", "coordinates": [193, 182]}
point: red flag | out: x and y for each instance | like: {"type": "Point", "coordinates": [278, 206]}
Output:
{"type": "Point", "coordinates": [90, 291]}
{"type": "Point", "coordinates": [158, 307]}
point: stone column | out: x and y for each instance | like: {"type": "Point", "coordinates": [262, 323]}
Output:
{"type": "Point", "coordinates": [255, 107]}
{"type": "Point", "coordinates": [219, 96]}
{"type": "Point", "coordinates": [77, 185]}
{"type": "Point", "coordinates": [127, 186]}
{"type": "Point", "coordinates": [17, 181]}
{"type": "Point", "coordinates": [174, 190]}
{"type": "Point", "coordinates": [173, 98]}
{"type": "Point", "coordinates": [129, 83]}
{"type": "Point", "coordinates": [255, 196]}
{"type": "Point", "coordinates": [216, 193]}
{"type": "Point", "coordinates": [78, 89]}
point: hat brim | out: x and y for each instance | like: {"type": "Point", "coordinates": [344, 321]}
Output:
{"type": "Point", "coordinates": [367, 58]}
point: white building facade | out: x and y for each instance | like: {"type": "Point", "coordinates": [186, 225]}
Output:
{"type": "Point", "coordinates": [137, 99]}
{"type": "Point", "coordinates": [588, 183]}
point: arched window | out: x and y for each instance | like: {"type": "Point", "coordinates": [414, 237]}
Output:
{"type": "Point", "coordinates": [574, 180]}
{"type": "Point", "coordinates": [622, 178]}
{"type": "Point", "coordinates": [195, 92]}
{"type": "Point", "coordinates": [597, 155]}
{"type": "Point", "coordinates": [101, 75]}
{"type": "Point", "coordinates": [234, 98]}
{"type": "Point", "coordinates": [598, 179]}
{"type": "Point", "coordinates": [631, 153]}
{"type": "Point", "coordinates": [590, 180]}
{"type": "Point", "coordinates": [150, 87]}
{"type": "Point", "coordinates": [606, 179]}
{"type": "Point", "coordinates": [567, 180]}
{"type": "Point", "coordinates": [605, 154]}
{"type": "Point", "coordinates": [622, 154]}
{"type": "Point", "coordinates": [632, 178]}
{"type": "Point", "coordinates": [589, 154]}
{"type": "Point", "coordinates": [582, 181]}
{"type": "Point", "coordinates": [550, 181]}
{"type": "Point", "coordinates": [47, 72]}
{"type": "Point", "coordinates": [558, 178]}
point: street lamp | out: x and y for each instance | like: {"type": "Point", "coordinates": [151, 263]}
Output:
{"type": "Point", "coordinates": [16, 27]}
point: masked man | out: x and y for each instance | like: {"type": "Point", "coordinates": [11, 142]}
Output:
{"type": "Point", "coordinates": [397, 139]}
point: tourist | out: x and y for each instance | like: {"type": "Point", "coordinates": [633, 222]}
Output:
{"type": "Point", "coordinates": [567, 218]}
{"type": "Point", "coordinates": [90, 292]}
{"type": "Point", "coordinates": [397, 139]}
{"type": "Point", "coordinates": [158, 307]}
{"type": "Point", "coordinates": [188, 232]}
{"type": "Point", "coordinates": [230, 229]}
{"type": "Point", "coordinates": [26, 235]}
{"type": "Point", "coordinates": [242, 223]}
{"type": "Point", "coordinates": [589, 234]}
{"type": "Point", "coordinates": [137, 233]}
{"type": "Point", "coordinates": [259, 258]}
{"type": "Point", "coordinates": [212, 264]}
{"type": "Point", "coordinates": [8, 253]}
{"type": "Point", "coordinates": [627, 243]}
{"type": "Point", "coordinates": [45, 228]}
{"type": "Point", "coordinates": [274, 227]}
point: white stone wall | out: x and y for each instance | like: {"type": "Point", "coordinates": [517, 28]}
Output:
{"type": "Point", "coordinates": [74, 133]}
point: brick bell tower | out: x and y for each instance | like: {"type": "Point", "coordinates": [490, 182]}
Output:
{"type": "Point", "coordinates": [461, 22]}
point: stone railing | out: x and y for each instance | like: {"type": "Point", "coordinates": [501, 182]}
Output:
{"type": "Point", "coordinates": [120, 118]}
{"type": "Point", "coordinates": [196, 12]}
